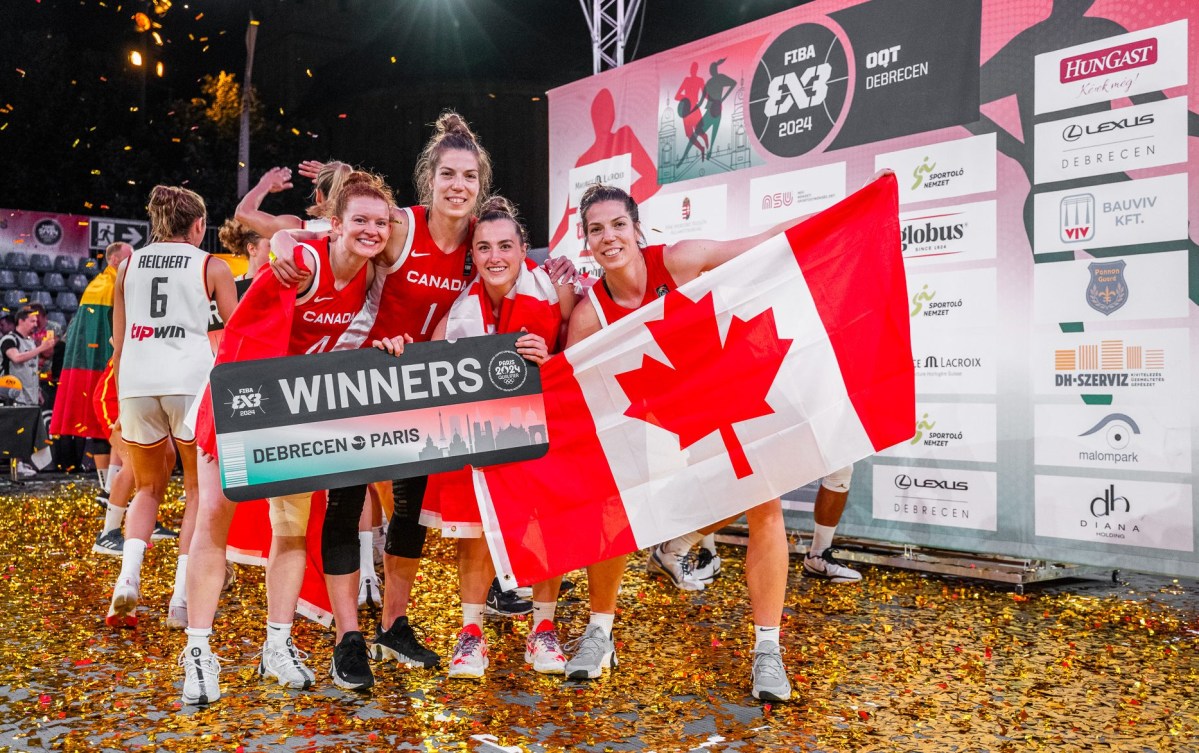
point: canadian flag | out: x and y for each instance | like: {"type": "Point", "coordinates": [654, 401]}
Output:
{"type": "Point", "coordinates": [761, 376]}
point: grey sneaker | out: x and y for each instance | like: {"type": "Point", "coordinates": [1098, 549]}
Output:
{"type": "Point", "coordinates": [593, 652]}
{"type": "Point", "coordinates": [285, 664]}
{"type": "Point", "coordinates": [201, 668]}
{"type": "Point", "coordinates": [678, 569]}
{"type": "Point", "coordinates": [769, 674]}
{"type": "Point", "coordinates": [826, 566]}
{"type": "Point", "coordinates": [111, 543]}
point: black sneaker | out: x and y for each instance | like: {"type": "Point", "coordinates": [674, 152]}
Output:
{"type": "Point", "coordinates": [506, 603]}
{"type": "Point", "coordinates": [102, 500]}
{"type": "Point", "coordinates": [399, 643]}
{"type": "Point", "coordinates": [111, 543]}
{"type": "Point", "coordinates": [350, 668]}
{"type": "Point", "coordinates": [162, 532]}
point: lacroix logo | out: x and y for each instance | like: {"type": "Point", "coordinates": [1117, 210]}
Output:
{"type": "Point", "coordinates": [1111, 60]}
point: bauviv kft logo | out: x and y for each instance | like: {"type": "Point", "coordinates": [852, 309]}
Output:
{"type": "Point", "coordinates": [905, 482]}
{"type": "Point", "coordinates": [1078, 218]}
{"type": "Point", "coordinates": [1111, 60]}
{"type": "Point", "coordinates": [1076, 131]}
{"type": "Point", "coordinates": [507, 371]}
{"type": "Point", "coordinates": [798, 90]}
{"type": "Point", "coordinates": [1107, 291]}
{"type": "Point", "coordinates": [247, 401]}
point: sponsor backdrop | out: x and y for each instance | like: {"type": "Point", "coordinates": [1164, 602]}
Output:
{"type": "Point", "coordinates": [1043, 151]}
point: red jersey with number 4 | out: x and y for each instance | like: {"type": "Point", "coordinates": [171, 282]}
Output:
{"type": "Point", "coordinates": [323, 313]}
{"type": "Point", "coordinates": [657, 284]}
{"type": "Point", "coordinates": [412, 296]}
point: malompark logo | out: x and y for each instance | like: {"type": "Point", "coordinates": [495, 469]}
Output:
{"type": "Point", "coordinates": [798, 90]}
{"type": "Point", "coordinates": [1117, 429]}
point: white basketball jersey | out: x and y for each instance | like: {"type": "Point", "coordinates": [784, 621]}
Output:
{"type": "Point", "coordinates": [166, 350]}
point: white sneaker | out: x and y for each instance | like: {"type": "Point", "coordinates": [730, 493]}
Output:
{"type": "Point", "coordinates": [201, 668]}
{"type": "Point", "coordinates": [177, 614]}
{"type": "Point", "coordinates": [25, 471]}
{"type": "Point", "coordinates": [825, 566]}
{"type": "Point", "coordinates": [769, 676]}
{"type": "Point", "coordinates": [368, 591]}
{"type": "Point", "coordinates": [122, 612]}
{"type": "Point", "coordinates": [707, 565]}
{"type": "Point", "coordinates": [678, 569]}
{"type": "Point", "coordinates": [543, 650]}
{"type": "Point", "coordinates": [285, 664]}
{"type": "Point", "coordinates": [470, 654]}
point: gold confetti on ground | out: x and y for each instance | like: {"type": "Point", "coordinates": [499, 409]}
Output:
{"type": "Point", "coordinates": [898, 663]}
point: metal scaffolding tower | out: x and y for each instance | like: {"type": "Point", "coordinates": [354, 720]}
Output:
{"type": "Point", "coordinates": [609, 22]}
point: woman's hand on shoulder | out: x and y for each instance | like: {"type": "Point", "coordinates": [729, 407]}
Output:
{"type": "Point", "coordinates": [393, 345]}
{"type": "Point", "coordinates": [560, 269]}
{"type": "Point", "coordinates": [283, 264]}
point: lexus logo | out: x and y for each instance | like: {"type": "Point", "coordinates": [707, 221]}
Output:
{"type": "Point", "coordinates": [904, 481]}
{"type": "Point", "coordinates": [1072, 133]}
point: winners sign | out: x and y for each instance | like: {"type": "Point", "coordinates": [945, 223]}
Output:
{"type": "Point", "coordinates": [288, 425]}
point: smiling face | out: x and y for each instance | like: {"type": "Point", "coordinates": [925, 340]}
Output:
{"type": "Point", "coordinates": [498, 254]}
{"type": "Point", "coordinates": [456, 183]}
{"type": "Point", "coordinates": [611, 234]}
{"type": "Point", "coordinates": [364, 226]}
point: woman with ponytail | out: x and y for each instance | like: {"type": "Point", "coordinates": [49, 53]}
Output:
{"type": "Point", "coordinates": [164, 296]}
{"type": "Point", "coordinates": [327, 179]}
{"type": "Point", "coordinates": [337, 278]}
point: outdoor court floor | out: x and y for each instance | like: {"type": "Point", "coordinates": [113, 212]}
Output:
{"type": "Point", "coordinates": [900, 662]}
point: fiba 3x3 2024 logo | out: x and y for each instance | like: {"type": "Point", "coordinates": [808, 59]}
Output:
{"type": "Point", "coordinates": [799, 89]}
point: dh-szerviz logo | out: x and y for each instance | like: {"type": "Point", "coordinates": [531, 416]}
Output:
{"type": "Point", "coordinates": [1111, 60]}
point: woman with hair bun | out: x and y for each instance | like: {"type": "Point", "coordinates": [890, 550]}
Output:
{"type": "Point", "coordinates": [426, 265]}
{"type": "Point", "coordinates": [338, 275]}
{"type": "Point", "coordinates": [509, 294]}
{"type": "Point", "coordinates": [241, 240]}
{"type": "Point", "coordinates": [163, 299]}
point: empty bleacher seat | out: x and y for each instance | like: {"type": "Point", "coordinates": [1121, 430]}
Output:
{"type": "Point", "coordinates": [54, 282]}
{"type": "Point", "coordinates": [14, 299]}
{"type": "Point", "coordinates": [65, 264]}
{"type": "Point", "coordinates": [29, 280]}
{"type": "Point", "coordinates": [66, 301]}
{"type": "Point", "coordinates": [77, 282]}
{"type": "Point", "coordinates": [89, 267]}
{"type": "Point", "coordinates": [16, 260]}
{"type": "Point", "coordinates": [8, 280]}
{"type": "Point", "coordinates": [43, 299]}
{"type": "Point", "coordinates": [41, 262]}
{"type": "Point", "coordinates": [58, 320]}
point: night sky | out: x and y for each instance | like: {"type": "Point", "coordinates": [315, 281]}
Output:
{"type": "Point", "coordinates": [358, 80]}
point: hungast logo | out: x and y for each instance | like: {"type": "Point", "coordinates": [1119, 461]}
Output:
{"type": "Point", "coordinates": [1078, 218]}
{"type": "Point", "coordinates": [1111, 60]}
{"type": "Point", "coordinates": [1076, 131]}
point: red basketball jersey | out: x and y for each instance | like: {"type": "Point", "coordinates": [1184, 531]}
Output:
{"type": "Point", "coordinates": [657, 284]}
{"type": "Point", "coordinates": [323, 312]}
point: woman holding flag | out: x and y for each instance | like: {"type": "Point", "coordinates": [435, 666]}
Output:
{"type": "Point", "coordinates": [510, 294]}
{"type": "Point", "coordinates": [633, 277]}
{"type": "Point", "coordinates": [269, 322]}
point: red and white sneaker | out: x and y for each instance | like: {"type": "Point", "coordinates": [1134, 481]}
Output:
{"type": "Point", "coordinates": [470, 654]}
{"type": "Point", "coordinates": [543, 650]}
{"type": "Point", "coordinates": [122, 612]}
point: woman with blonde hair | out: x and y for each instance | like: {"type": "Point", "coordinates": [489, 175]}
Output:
{"type": "Point", "coordinates": [163, 301]}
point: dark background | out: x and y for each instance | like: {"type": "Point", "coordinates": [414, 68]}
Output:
{"type": "Point", "coordinates": [83, 131]}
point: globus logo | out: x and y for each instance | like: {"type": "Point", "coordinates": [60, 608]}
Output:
{"type": "Point", "coordinates": [798, 90]}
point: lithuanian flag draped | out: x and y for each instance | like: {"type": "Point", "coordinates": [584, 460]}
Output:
{"type": "Point", "coordinates": [88, 349]}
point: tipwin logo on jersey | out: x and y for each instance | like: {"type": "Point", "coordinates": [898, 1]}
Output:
{"type": "Point", "coordinates": [167, 332]}
{"type": "Point", "coordinates": [798, 90]}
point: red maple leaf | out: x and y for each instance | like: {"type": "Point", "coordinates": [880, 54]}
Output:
{"type": "Point", "coordinates": [708, 385]}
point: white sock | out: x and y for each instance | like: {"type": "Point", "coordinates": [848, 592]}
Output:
{"type": "Point", "coordinates": [709, 542]}
{"type": "Point", "coordinates": [603, 620]}
{"type": "Point", "coordinates": [113, 517]}
{"type": "Point", "coordinates": [131, 559]}
{"type": "Point", "coordinates": [683, 544]}
{"type": "Point", "coordinates": [180, 594]}
{"type": "Point", "coordinates": [822, 538]}
{"type": "Point", "coordinates": [544, 610]}
{"type": "Point", "coordinates": [366, 554]}
{"type": "Point", "coordinates": [198, 637]}
{"type": "Point", "coordinates": [102, 475]}
{"type": "Point", "coordinates": [472, 614]}
{"type": "Point", "coordinates": [763, 634]}
{"type": "Point", "coordinates": [277, 633]}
